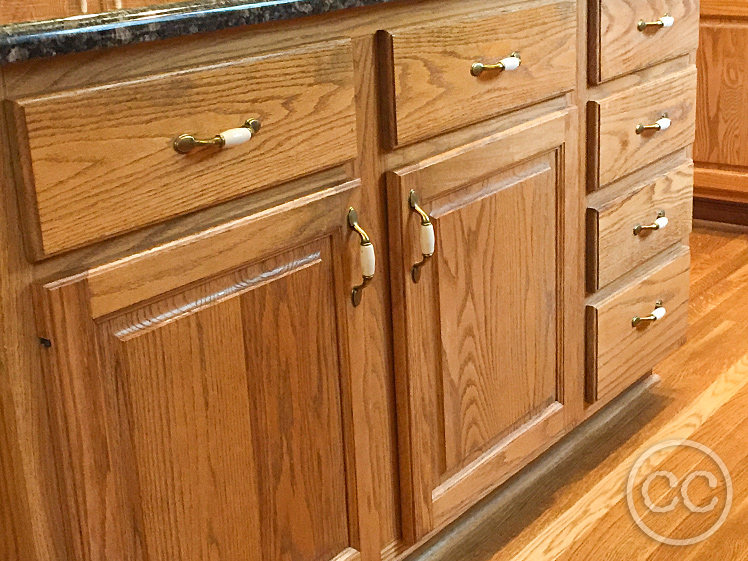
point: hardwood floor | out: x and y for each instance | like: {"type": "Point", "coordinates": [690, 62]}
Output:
{"type": "Point", "coordinates": [571, 504]}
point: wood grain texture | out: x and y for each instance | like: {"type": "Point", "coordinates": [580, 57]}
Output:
{"type": "Point", "coordinates": [617, 352]}
{"type": "Point", "coordinates": [615, 149]}
{"type": "Point", "coordinates": [474, 415]}
{"type": "Point", "coordinates": [94, 163]}
{"type": "Point", "coordinates": [724, 8]}
{"type": "Point", "coordinates": [721, 132]}
{"type": "Point", "coordinates": [217, 419]}
{"type": "Point", "coordinates": [613, 249]}
{"type": "Point", "coordinates": [427, 83]}
{"type": "Point", "coordinates": [617, 47]}
{"type": "Point", "coordinates": [14, 11]}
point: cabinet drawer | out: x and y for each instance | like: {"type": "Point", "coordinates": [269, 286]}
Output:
{"type": "Point", "coordinates": [616, 148]}
{"type": "Point", "coordinates": [428, 81]}
{"type": "Point", "coordinates": [615, 246]}
{"type": "Point", "coordinates": [620, 47]}
{"type": "Point", "coordinates": [97, 162]}
{"type": "Point", "coordinates": [618, 353]}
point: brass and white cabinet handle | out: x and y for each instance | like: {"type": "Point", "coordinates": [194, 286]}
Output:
{"type": "Point", "coordinates": [185, 143]}
{"type": "Point", "coordinates": [368, 259]}
{"type": "Point", "coordinates": [657, 314]}
{"type": "Point", "coordinates": [512, 62]}
{"type": "Point", "coordinates": [428, 239]}
{"type": "Point", "coordinates": [660, 222]}
{"type": "Point", "coordinates": [662, 124]}
{"type": "Point", "coordinates": [665, 21]}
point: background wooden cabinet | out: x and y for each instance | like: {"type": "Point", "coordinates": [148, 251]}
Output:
{"type": "Point", "coordinates": [483, 387]}
{"type": "Point", "coordinates": [721, 148]}
{"type": "Point", "coordinates": [205, 406]}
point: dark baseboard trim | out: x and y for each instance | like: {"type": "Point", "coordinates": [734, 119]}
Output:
{"type": "Point", "coordinates": [720, 211]}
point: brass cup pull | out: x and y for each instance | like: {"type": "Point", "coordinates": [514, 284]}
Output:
{"type": "Point", "coordinates": [512, 62]}
{"type": "Point", "coordinates": [660, 222]}
{"type": "Point", "coordinates": [665, 21]}
{"type": "Point", "coordinates": [185, 143]}
{"type": "Point", "coordinates": [428, 239]}
{"type": "Point", "coordinates": [658, 313]}
{"type": "Point", "coordinates": [368, 258]}
{"type": "Point", "coordinates": [662, 124]}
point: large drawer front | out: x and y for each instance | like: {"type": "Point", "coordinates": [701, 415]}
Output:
{"type": "Point", "coordinates": [620, 47]}
{"type": "Point", "coordinates": [615, 246]}
{"type": "Point", "coordinates": [429, 87]}
{"type": "Point", "coordinates": [618, 353]}
{"type": "Point", "coordinates": [101, 161]}
{"type": "Point", "coordinates": [615, 147]}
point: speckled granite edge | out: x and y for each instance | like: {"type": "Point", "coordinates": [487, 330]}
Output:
{"type": "Point", "coordinates": [24, 41]}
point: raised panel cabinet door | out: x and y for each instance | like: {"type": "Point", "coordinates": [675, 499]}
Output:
{"type": "Point", "coordinates": [489, 328]}
{"type": "Point", "coordinates": [721, 146]}
{"type": "Point", "coordinates": [206, 393]}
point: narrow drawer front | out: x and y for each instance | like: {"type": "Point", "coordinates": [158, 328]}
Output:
{"type": "Point", "coordinates": [618, 353]}
{"type": "Point", "coordinates": [430, 84]}
{"type": "Point", "coordinates": [625, 232]}
{"type": "Point", "coordinates": [622, 44]}
{"type": "Point", "coordinates": [618, 146]}
{"type": "Point", "coordinates": [101, 161]}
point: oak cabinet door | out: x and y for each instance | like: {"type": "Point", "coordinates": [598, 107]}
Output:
{"type": "Point", "coordinates": [481, 335]}
{"type": "Point", "coordinates": [205, 393]}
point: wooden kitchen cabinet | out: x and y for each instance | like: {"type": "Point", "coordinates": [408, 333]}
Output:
{"type": "Point", "coordinates": [720, 154]}
{"type": "Point", "coordinates": [481, 336]}
{"type": "Point", "coordinates": [203, 405]}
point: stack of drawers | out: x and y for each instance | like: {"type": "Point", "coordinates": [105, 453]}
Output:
{"type": "Point", "coordinates": [640, 119]}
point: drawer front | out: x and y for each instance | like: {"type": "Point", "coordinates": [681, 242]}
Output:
{"type": "Point", "coordinates": [101, 161]}
{"type": "Point", "coordinates": [620, 47]}
{"type": "Point", "coordinates": [616, 245]}
{"type": "Point", "coordinates": [619, 353]}
{"type": "Point", "coordinates": [428, 84]}
{"type": "Point", "coordinates": [617, 149]}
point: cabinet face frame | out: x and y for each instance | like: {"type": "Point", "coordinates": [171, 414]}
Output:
{"type": "Point", "coordinates": [428, 499]}
{"type": "Point", "coordinates": [97, 404]}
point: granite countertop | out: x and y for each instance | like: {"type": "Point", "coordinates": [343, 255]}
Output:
{"type": "Point", "coordinates": [24, 41]}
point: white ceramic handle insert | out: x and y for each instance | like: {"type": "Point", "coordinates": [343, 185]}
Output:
{"type": "Point", "coordinates": [368, 260]}
{"type": "Point", "coordinates": [507, 64]}
{"type": "Point", "coordinates": [667, 21]}
{"type": "Point", "coordinates": [664, 123]}
{"type": "Point", "coordinates": [428, 240]}
{"type": "Point", "coordinates": [235, 137]}
{"type": "Point", "coordinates": [185, 143]}
{"type": "Point", "coordinates": [661, 222]}
{"type": "Point", "coordinates": [511, 63]}
{"type": "Point", "coordinates": [659, 313]}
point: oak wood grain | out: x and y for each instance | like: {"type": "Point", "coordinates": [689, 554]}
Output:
{"type": "Point", "coordinates": [615, 149]}
{"type": "Point", "coordinates": [429, 88]}
{"type": "Point", "coordinates": [94, 163]}
{"type": "Point", "coordinates": [463, 437]}
{"type": "Point", "coordinates": [216, 417]}
{"type": "Point", "coordinates": [14, 11]}
{"type": "Point", "coordinates": [618, 47]}
{"type": "Point", "coordinates": [613, 249]}
{"type": "Point", "coordinates": [617, 352]}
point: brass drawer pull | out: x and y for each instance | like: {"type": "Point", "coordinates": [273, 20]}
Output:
{"type": "Point", "coordinates": [658, 313]}
{"type": "Point", "coordinates": [185, 143]}
{"type": "Point", "coordinates": [658, 224]}
{"type": "Point", "coordinates": [512, 62]}
{"type": "Point", "coordinates": [428, 239]}
{"type": "Point", "coordinates": [368, 258]}
{"type": "Point", "coordinates": [665, 21]}
{"type": "Point", "coordinates": [662, 124]}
